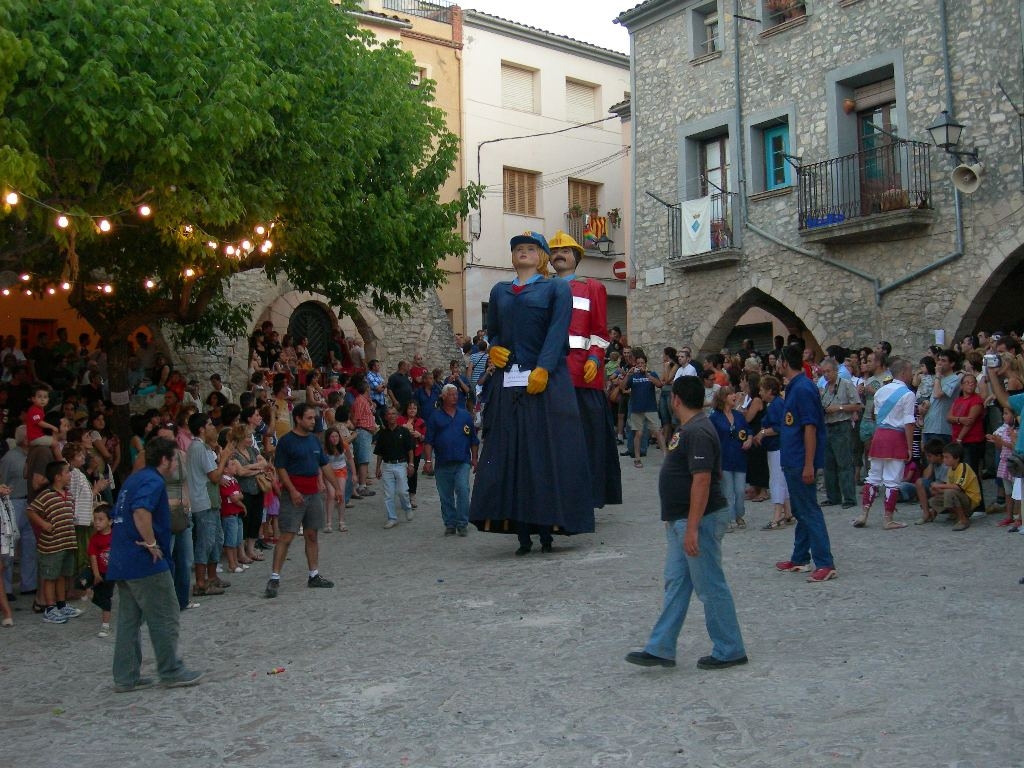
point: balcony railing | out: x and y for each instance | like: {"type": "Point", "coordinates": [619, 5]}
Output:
{"type": "Point", "coordinates": [437, 10]}
{"type": "Point", "coordinates": [891, 177]}
{"type": "Point", "coordinates": [722, 206]}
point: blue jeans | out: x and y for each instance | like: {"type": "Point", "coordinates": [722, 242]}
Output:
{"type": "Point", "coordinates": [702, 574]}
{"type": "Point", "coordinates": [811, 536]}
{"type": "Point", "coordinates": [150, 600]}
{"type": "Point", "coordinates": [209, 536]}
{"type": "Point", "coordinates": [452, 479]}
{"type": "Point", "coordinates": [396, 481]}
{"type": "Point", "coordinates": [734, 486]}
{"type": "Point", "coordinates": [181, 565]}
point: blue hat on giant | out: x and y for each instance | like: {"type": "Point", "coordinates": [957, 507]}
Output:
{"type": "Point", "coordinates": [531, 237]}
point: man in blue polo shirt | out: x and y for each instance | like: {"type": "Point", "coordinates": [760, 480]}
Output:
{"type": "Point", "coordinates": [141, 536]}
{"type": "Point", "coordinates": [450, 450]}
{"type": "Point", "coordinates": [802, 441]}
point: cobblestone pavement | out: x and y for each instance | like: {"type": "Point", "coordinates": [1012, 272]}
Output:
{"type": "Point", "coordinates": [451, 652]}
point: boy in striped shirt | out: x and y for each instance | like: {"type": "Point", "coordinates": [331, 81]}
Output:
{"type": "Point", "coordinates": [52, 514]}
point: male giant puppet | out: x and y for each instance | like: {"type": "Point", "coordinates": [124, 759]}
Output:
{"type": "Point", "coordinates": [588, 340]}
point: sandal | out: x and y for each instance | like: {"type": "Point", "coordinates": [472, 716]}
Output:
{"type": "Point", "coordinates": [638, 464]}
{"type": "Point", "coordinates": [762, 497]}
{"type": "Point", "coordinates": [37, 608]}
{"type": "Point", "coordinates": [789, 521]}
{"type": "Point", "coordinates": [925, 520]}
{"type": "Point", "coordinates": [893, 525]}
{"type": "Point", "coordinates": [773, 525]}
{"type": "Point", "coordinates": [342, 528]}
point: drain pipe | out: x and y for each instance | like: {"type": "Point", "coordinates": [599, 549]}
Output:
{"type": "Point", "coordinates": [957, 202]}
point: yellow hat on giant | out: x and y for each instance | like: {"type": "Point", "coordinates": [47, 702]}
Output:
{"type": "Point", "coordinates": [563, 240]}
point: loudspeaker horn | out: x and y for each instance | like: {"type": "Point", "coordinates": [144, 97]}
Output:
{"type": "Point", "coordinates": [967, 178]}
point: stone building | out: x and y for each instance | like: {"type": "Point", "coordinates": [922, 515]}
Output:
{"type": "Point", "coordinates": [792, 137]}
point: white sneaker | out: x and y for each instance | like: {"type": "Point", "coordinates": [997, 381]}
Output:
{"type": "Point", "coordinates": [390, 523]}
{"type": "Point", "coordinates": [104, 631]}
{"type": "Point", "coordinates": [220, 568]}
{"type": "Point", "coordinates": [977, 514]}
{"type": "Point", "coordinates": [238, 569]}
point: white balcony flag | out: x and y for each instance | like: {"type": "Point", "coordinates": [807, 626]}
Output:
{"type": "Point", "coordinates": [696, 226]}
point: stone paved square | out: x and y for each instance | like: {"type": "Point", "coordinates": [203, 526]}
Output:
{"type": "Point", "coordinates": [439, 652]}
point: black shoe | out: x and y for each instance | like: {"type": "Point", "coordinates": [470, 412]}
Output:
{"type": "Point", "coordinates": [28, 592]}
{"type": "Point", "coordinates": [545, 546]}
{"type": "Point", "coordinates": [848, 504]}
{"type": "Point", "coordinates": [271, 590]}
{"type": "Point", "coordinates": [524, 549]}
{"type": "Point", "coordinates": [261, 544]}
{"type": "Point", "coordinates": [12, 597]}
{"type": "Point", "coordinates": [626, 453]}
{"type": "Point", "coordinates": [319, 582]}
{"type": "Point", "coordinates": [828, 503]}
{"type": "Point", "coordinates": [710, 662]}
{"type": "Point", "coordinates": [462, 531]}
{"type": "Point", "coordinates": [449, 531]}
{"type": "Point", "coordinates": [645, 659]}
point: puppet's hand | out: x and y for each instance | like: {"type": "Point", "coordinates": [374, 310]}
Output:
{"type": "Point", "coordinates": [590, 370]}
{"type": "Point", "coordinates": [537, 382]}
{"type": "Point", "coordinates": [498, 356]}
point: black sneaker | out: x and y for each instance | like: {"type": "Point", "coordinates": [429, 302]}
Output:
{"type": "Point", "coordinates": [523, 550]}
{"type": "Point", "coordinates": [461, 531]}
{"type": "Point", "coordinates": [449, 531]}
{"type": "Point", "coordinates": [319, 582]}
{"type": "Point", "coordinates": [271, 590]}
{"type": "Point", "coordinates": [645, 659]}
{"type": "Point", "coordinates": [545, 546]}
{"type": "Point", "coordinates": [710, 662]}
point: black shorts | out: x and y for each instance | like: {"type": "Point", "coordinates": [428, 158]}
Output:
{"type": "Point", "coordinates": [103, 594]}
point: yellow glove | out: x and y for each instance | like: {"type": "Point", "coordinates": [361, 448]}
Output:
{"type": "Point", "coordinates": [589, 370]}
{"type": "Point", "coordinates": [537, 382]}
{"type": "Point", "coordinates": [498, 356]}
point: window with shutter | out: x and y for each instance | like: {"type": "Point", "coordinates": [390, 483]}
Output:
{"type": "Point", "coordinates": [518, 88]}
{"type": "Point", "coordinates": [583, 195]}
{"type": "Point", "coordinates": [580, 102]}
{"type": "Point", "coordinates": [520, 192]}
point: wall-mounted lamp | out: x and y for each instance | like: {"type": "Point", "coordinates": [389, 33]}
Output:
{"type": "Point", "coordinates": [604, 245]}
{"type": "Point", "coordinates": [946, 134]}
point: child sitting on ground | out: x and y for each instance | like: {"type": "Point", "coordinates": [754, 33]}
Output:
{"type": "Point", "coordinates": [99, 557]}
{"type": "Point", "coordinates": [934, 472]}
{"type": "Point", "coordinates": [961, 493]}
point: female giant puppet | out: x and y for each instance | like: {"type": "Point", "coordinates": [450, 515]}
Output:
{"type": "Point", "coordinates": [533, 474]}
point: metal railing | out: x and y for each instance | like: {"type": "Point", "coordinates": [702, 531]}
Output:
{"type": "Point", "coordinates": [722, 207]}
{"type": "Point", "coordinates": [890, 177]}
{"type": "Point", "coordinates": [438, 10]}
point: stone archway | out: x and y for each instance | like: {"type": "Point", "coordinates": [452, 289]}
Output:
{"type": "Point", "coordinates": [996, 304]}
{"type": "Point", "coordinates": [795, 312]}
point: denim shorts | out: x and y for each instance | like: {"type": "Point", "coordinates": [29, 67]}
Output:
{"type": "Point", "coordinates": [56, 564]}
{"type": "Point", "coordinates": [232, 525]}
{"type": "Point", "coordinates": [209, 536]}
{"type": "Point", "coordinates": [362, 447]}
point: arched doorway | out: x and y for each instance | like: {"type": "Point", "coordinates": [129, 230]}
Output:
{"type": "Point", "coordinates": [757, 316]}
{"type": "Point", "coordinates": [312, 321]}
{"type": "Point", "coordinates": [997, 306]}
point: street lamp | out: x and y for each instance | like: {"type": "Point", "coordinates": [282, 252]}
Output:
{"type": "Point", "coordinates": [946, 134]}
{"type": "Point", "coordinates": [604, 245]}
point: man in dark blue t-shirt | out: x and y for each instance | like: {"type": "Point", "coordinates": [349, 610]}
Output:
{"type": "Point", "coordinates": [643, 404]}
{"type": "Point", "coordinates": [696, 516]}
{"type": "Point", "coordinates": [140, 537]}
{"type": "Point", "coordinates": [802, 442]}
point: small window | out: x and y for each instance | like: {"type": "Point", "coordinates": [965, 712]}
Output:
{"type": "Point", "coordinates": [706, 30]}
{"type": "Point", "coordinates": [518, 88]}
{"type": "Point", "coordinates": [775, 12]}
{"type": "Point", "coordinates": [580, 102]}
{"type": "Point", "coordinates": [520, 188]}
{"type": "Point", "coordinates": [776, 146]}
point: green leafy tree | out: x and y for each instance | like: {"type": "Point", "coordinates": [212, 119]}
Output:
{"type": "Point", "coordinates": [222, 116]}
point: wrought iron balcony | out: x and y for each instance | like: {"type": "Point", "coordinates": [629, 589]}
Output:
{"type": "Point", "coordinates": [437, 10]}
{"type": "Point", "coordinates": [853, 197]}
{"type": "Point", "coordinates": [723, 250]}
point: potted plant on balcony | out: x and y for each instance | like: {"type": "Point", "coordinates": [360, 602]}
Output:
{"type": "Point", "coordinates": [614, 218]}
{"type": "Point", "coordinates": [574, 212]}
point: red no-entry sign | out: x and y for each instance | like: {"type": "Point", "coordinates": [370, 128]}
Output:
{"type": "Point", "coordinates": [619, 270]}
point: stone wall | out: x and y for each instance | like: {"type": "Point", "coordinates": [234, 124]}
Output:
{"type": "Point", "coordinates": [425, 330]}
{"type": "Point", "coordinates": [786, 73]}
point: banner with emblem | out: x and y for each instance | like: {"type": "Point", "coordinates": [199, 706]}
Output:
{"type": "Point", "coordinates": [695, 236]}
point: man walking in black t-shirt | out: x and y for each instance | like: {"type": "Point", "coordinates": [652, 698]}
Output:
{"type": "Point", "coordinates": [696, 516]}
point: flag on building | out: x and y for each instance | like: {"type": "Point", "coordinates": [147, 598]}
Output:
{"type": "Point", "coordinates": [696, 226]}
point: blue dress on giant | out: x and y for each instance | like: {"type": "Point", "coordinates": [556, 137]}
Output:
{"type": "Point", "coordinates": [533, 468]}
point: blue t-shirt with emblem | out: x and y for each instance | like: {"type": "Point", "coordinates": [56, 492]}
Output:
{"type": "Point", "coordinates": [774, 415]}
{"type": "Point", "coordinates": [451, 437]}
{"type": "Point", "coordinates": [732, 436]}
{"type": "Point", "coordinates": [802, 407]}
{"type": "Point", "coordinates": [145, 489]}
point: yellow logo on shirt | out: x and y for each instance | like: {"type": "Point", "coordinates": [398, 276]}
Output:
{"type": "Point", "coordinates": [789, 418]}
{"type": "Point", "coordinates": [674, 442]}
{"type": "Point", "coordinates": [465, 429]}
{"type": "Point", "coordinates": [742, 435]}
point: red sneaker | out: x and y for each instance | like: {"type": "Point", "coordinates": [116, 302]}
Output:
{"type": "Point", "coordinates": [788, 565]}
{"type": "Point", "coordinates": [1007, 521]}
{"type": "Point", "coordinates": [822, 574]}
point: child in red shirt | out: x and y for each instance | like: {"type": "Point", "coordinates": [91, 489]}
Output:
{"type": "Point", "coordinates": [231, 510]}
{"type": "Point", "coordinates": [36, 426]}
{"type": "Point", "coordinates": [99, 557]}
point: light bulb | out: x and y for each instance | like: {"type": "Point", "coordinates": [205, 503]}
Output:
{"type": "Point", "coordinates": [150, 284]}
{"type": "Point", "coordinates": [188, 229]}
{"type": "Point", "coordinates": [246, 246]}
{"type": "Point", "coordinates": [108, 288]}
{"type": "Point", "coordinates": [104, 225]}
{"type": "Point", "coordinates": [51, 290]}
{"type": "Point", "coordinates": [190, 272]}
{"type": "Point", "coordinates": [66, 286]}
{"type": "Point", "coordinates": [230, 250]}
{"type": "Point", "coordinates": [63, 221]}
{"type": "Point", "coordinates": [12, 198]}
{"type": "Point", "coordinates": [7, 291]}
{"type": "Point", "coordinates": [145, 210]}
{"type": "Point", "coordinates": [210, 244]}
{"type": "Point", "coordinates": [25, 277]}
{"type": "Point", "coordinates": [260, 229]}
{"type": "Point", "coordinates": [267, 245]}
{"type": "Point", "coordinates": [28, 291]}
